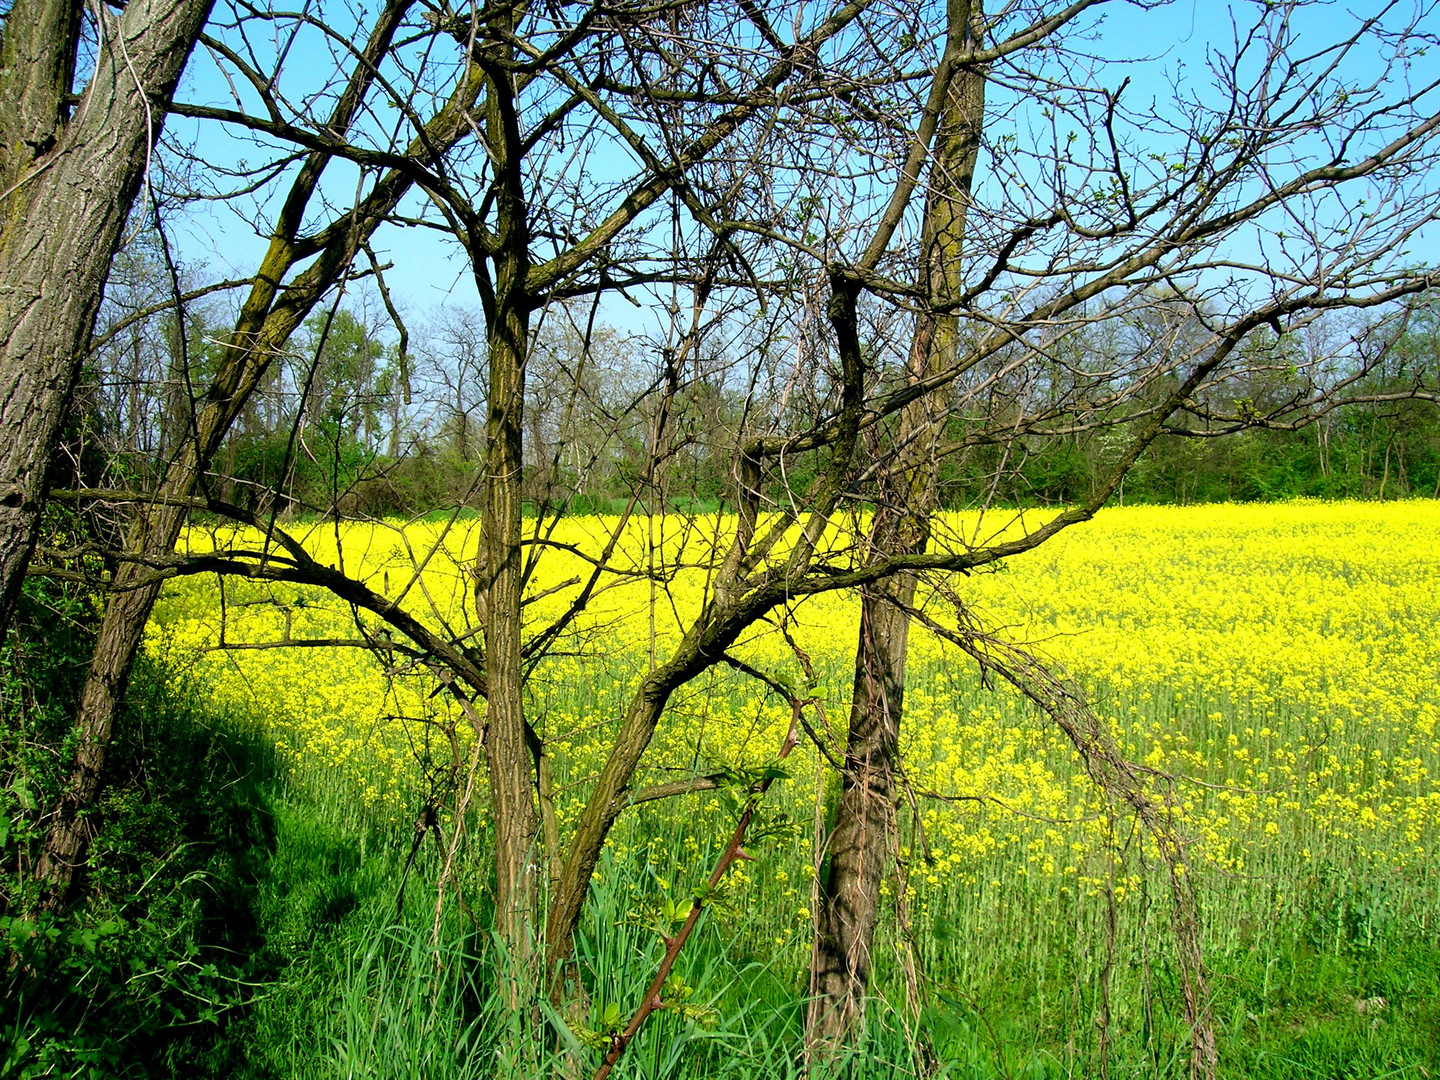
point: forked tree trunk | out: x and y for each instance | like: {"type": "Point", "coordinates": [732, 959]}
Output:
{"type": "Point", "coordinates": [66, 187]}
{"type": "Point", "coordinates": [860, 840]}
{"type": "Point", "coordinates": [737, 604]}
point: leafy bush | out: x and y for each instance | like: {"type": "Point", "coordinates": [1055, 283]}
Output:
{"type": "Point", "coordinates": [149, 969]}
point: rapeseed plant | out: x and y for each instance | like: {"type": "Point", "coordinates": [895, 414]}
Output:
{"type": "Point", "coordinates": [1274, 666]}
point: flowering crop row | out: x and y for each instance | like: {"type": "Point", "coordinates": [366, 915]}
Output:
{"type": "Point", "coordinates": [1275, 665]}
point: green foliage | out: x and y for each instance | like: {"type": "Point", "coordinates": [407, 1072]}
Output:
{"type": "Point", "coordinates": [148, 971]}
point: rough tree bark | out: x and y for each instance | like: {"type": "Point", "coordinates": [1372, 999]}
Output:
{"type": "Point", "coordinates": [501, 566]}
{"type": "Point", "coordinates": [859, 841]}
{"type": "Point", "coordinates": [501, 265]}
{"type": "Point", "coordinates": [69, 179]}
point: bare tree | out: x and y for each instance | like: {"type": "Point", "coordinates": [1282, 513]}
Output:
{"type": "Point", "coordinates": [304, 261]}
{"type": "Point", "coordinates": [1189, 294]}
{"type": "Point", "coordinates": [860, 842]}
{"type": "Point", "coordinates": [454, 361]}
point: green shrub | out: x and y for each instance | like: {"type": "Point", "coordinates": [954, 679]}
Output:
{"type": "Point", "coordinates": [158, 956]}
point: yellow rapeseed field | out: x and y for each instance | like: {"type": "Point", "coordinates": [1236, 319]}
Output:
{"type": "Point", "coordinates": [1276, 665]}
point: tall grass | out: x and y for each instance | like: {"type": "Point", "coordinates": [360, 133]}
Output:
{"type": "Point", "coordinates": [1343, 985]}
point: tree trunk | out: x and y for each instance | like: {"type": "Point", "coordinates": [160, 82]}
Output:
{"type": "Point", "coordinates": [500, 574]}
{"type": "Point", "coordinates": [864, 822]}
{"type": "Point", "coordinates": [69, 183]}
{"type": "Point", "coordinates": [859, 842]}
{"type": "Point", "coordinates": [567, 900]}
{"type": "Point", "coordinates": [261, 330]}
{"type": "Point", "coordinates": [512, 778]}
{"type": "Point", "coordinates": [154, 532]}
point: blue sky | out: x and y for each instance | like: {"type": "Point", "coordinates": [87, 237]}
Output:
{"type": "Point", "coordinates": [1154, 49]}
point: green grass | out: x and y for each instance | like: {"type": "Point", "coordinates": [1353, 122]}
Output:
{"type": "Point", "coordinates": [1013, 973]}
{"type": "Point", "coordinates": [364, 995]}
{"type": "Point", "coordinates": [338, 985]}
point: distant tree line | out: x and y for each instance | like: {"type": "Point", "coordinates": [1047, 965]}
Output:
{"type": "Point", "coordinates": [349, 423]}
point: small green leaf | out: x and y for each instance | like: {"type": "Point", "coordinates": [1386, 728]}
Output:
{"type": "Point", "coordinates": [22, 794]}
{"type": "Point", "coordinates": [610, 1016]}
